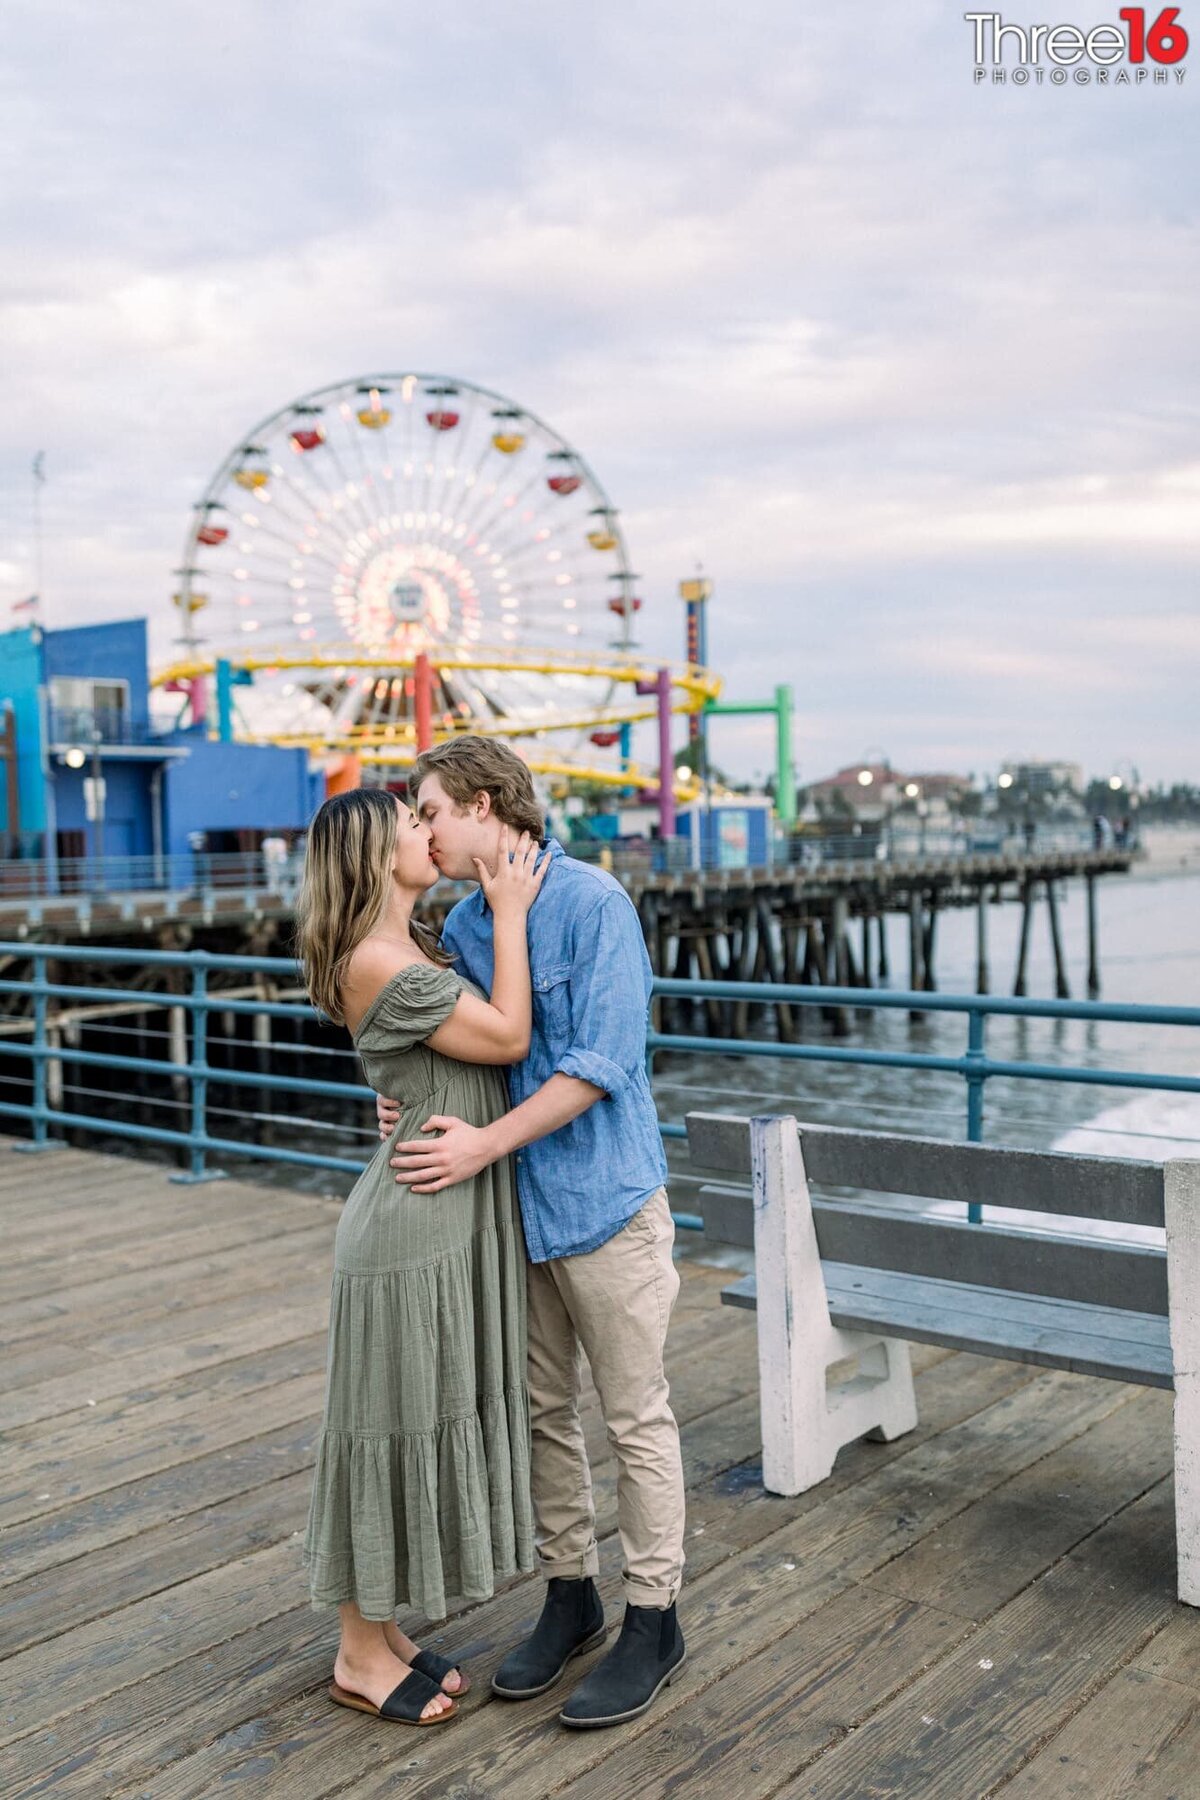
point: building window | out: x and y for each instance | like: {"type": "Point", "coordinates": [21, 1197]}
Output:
{"type": "Point", "coordinates": [82, 706]}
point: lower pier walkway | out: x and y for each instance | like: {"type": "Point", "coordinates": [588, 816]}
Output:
{"type": "Point", "coordinates": [985, 1606]}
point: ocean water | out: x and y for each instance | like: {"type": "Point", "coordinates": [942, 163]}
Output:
{"type": "Point", "coordinates": [1149, 937]}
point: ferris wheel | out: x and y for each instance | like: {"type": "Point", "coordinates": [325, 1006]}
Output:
{"type": "Point", "coordinates": [391, 517]}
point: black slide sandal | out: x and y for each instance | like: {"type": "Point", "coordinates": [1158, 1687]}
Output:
{"type": "Point", "coordinates": [428, 1662]}
{"type": "Point", "coordinates": [403, 1706]}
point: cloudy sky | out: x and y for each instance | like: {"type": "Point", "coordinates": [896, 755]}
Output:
{"type": "Point", "coordinates": [909, 365]}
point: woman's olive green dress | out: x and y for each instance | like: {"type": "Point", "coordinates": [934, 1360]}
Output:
{"type": "Point", "coordinates": [421, 1490]}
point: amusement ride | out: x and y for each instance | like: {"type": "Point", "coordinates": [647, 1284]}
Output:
{"type": "Point", "coordinates": [397, 559]}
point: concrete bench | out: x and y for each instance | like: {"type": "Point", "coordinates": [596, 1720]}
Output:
{"type": "Point", "coordinates": [839, 1280]}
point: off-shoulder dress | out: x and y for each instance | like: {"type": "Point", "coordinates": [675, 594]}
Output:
{"type": "Point", "coordinates": [421, 1490]}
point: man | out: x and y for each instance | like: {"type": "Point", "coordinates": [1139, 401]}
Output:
{"type": "Point", "coordinates": [598, 1229]}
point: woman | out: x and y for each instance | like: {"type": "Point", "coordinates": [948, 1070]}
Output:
{"type": "Point", "coordinates": [422, 1478]}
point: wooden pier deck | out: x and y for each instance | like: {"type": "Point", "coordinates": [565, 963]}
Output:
{"type": "Point", "coordinates": [983, 1607]}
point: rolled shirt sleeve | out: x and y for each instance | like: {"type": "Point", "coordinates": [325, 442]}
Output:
{"type": "Point", "coordinates": [609, 995]}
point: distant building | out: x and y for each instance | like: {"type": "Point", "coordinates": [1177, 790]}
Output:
{"type": "Point", "coordinates": [95, 775]}
{"type": "Point", "coordinates": [886, 787]}
{"type": "Point", "coordinates": [1036, 778]}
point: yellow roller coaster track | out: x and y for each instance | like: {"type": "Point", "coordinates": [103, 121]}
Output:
{"type": "Point", "coordinates": [395, 744]}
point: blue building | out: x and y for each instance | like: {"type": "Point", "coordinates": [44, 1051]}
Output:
{"type": "Point", "coordinates": [95, 778]}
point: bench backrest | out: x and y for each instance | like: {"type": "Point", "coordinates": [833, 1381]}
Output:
{"type": "Point", "coordinates": [1091, 1269]}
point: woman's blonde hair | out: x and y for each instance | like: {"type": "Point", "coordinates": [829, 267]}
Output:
{"type": "Point", "coordinates": [344, 893]}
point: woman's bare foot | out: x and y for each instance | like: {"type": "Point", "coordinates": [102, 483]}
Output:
{"type": "Point", "coordinates": [404, 1648]}
{"type": "Point", "coordinates": [376, 1672]}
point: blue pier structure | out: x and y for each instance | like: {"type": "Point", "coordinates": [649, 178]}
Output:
{"type": "Point", "coordinates": [104, 796]}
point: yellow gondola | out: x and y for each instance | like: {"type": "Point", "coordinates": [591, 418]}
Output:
{"type": "Point", "coordinates": [508, 442]}
{"type": "Point", "coordinates": [374, 417]}
{"type": "Point", "coordinates": [190, 603]}
{"type": "Point", "coordinates": [602, 539]}
{"type": "Point", "coordinates": [251, 478]}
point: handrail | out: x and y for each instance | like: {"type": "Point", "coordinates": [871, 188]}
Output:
{"type": "Point", "coordinates": [201, 1000]}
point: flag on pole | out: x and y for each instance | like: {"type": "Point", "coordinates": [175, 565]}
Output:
{"type": "Point", "coordinates": [24, 605]}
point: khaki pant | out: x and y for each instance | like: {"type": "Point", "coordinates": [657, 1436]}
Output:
{"type": "Point", "coordinates": [611, 1304]}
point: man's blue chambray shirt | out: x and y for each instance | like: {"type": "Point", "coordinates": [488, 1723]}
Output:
{"type": "Point", "coordinates": [591, 995]}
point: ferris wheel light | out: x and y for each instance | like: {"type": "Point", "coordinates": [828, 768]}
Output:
{"type": "Point", "coordinates": [304, 618]}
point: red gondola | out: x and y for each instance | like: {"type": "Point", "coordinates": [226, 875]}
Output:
{"type": "Point", "coordinates": [564, 484]}
{"type": "Point", "coordinates": [308, 438]}
{"type": "Point", "coordinates": [212, 534]}
{"type": "Point", "coordinates": [622, 606]}
{"type": "Point", "coordinates": [442, 421]}
{"type": "Point", "coordinates": [604, 740]}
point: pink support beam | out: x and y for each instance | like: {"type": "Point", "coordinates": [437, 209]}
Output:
{"type": "Point", "coordinates": [423, 698]}
{"type": "Point", "coordinates": [666, 765]}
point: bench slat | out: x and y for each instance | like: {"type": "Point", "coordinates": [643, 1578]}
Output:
{"type": "Point", "coordinates": [1057, 1334]}
{"type": "Point", "coordinates": [1088, 1270]}
{"type": "Point", "coordinates": [1085, 1187]}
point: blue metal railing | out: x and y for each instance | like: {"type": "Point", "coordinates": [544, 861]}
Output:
{"type": "Point", "coordinates": [37, 1041]}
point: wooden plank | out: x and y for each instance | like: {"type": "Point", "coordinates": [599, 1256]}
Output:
{"type": "Point", "coordinates": [1055, 1334]}
{"type": "Point", "coordinates": [1139, 1736]}
{"type": "Point", "coordinates": [105, 1581]}
{"type": "Point", "coordinates": [1085, 1187]}
{"type": "Point", "coordinates": [52, 1679]}
{"type": "Point", "coordinates": [969, 1723]}
{"type": "Point", "coordinates": [47, 1271]}
{"type": "Point", "coordinates": [1174, 1653]}
{"type": "Point", "coordinates": [1054, 1181]}
{"type": "Point", "coordinates": [41, 1489]}
{"type": "Point", "coordinates": [122, 1512]}
{"type": "Point", "coordinates": [208, 1340]}
{"type": "Point", "coordinates": [1090, 1270]}
{"type": "Point", "coordinates": [719, 1141]}
{"type": "Point", "coordinates": [1102, 1341]}
{"type": "Point", "coordinates": [753, 1592]}
{"type": "Point", "coordinates": [73, 1312]}
{"type": "Point", "coordinates": [782, 1706]}
{"type": "Point", "coordinates": [980, 1559]}
{"type": "Point", "coordinates": [72, 1438]}
{"type": "Point", "coordinates": [127, 1736]}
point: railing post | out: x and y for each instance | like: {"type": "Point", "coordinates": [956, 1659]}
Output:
{"type": "Point", "coordinates": [976, 1022]}
{"type": "Point", "coordinates": [198, 1076]}
{"type": "Point", "coordinates": [40, 1111]}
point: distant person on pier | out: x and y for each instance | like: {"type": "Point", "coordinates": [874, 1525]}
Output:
{"type": "Point", "coordinates": [1029, 830]}
{"type": "Point", "coordinates": [421, 1490]}
{"type": "Point", "coordinates": [591, 1177]}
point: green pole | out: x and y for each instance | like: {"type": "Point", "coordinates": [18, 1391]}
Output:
{"type": "Point", "coordinates": [785, 784]}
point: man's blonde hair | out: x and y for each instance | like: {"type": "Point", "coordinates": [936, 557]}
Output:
{"type": "Point", "coordinates": [468, 766]}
